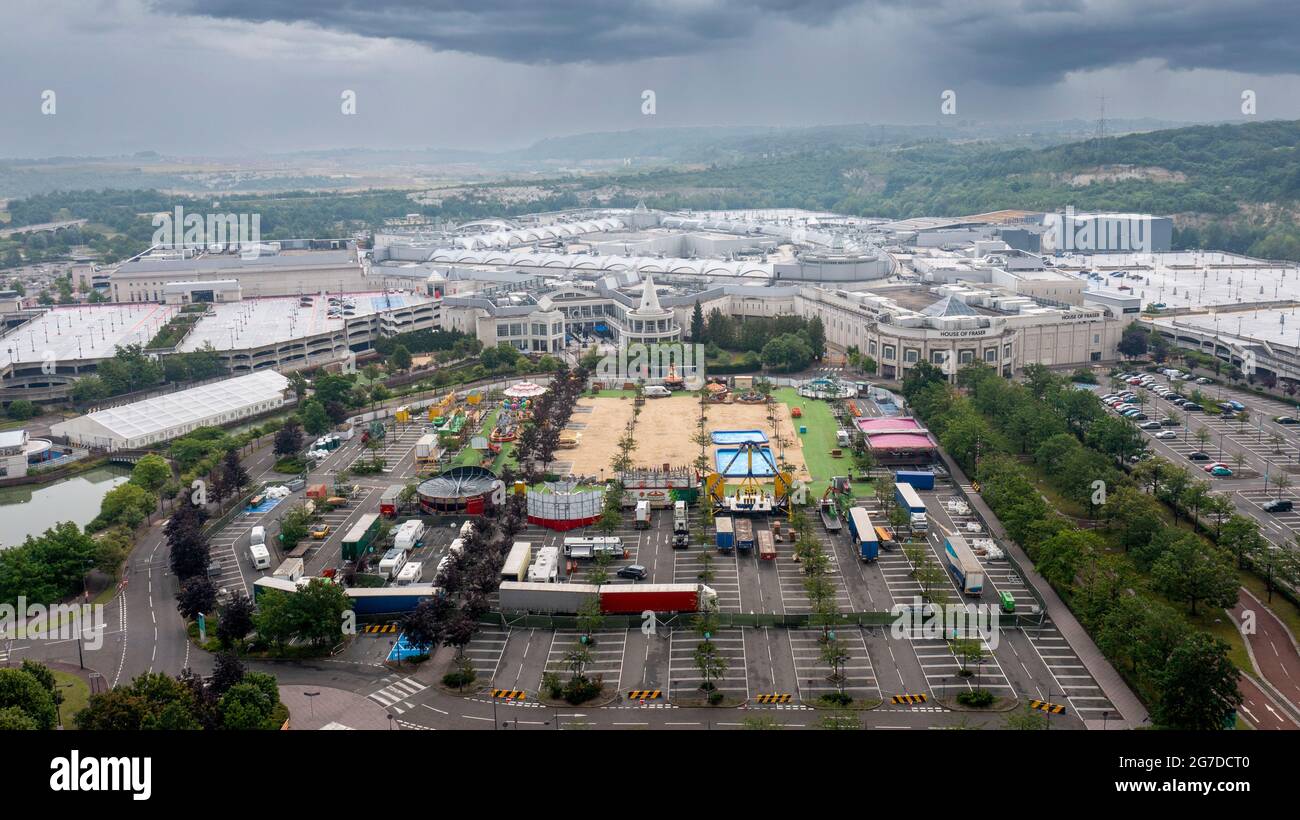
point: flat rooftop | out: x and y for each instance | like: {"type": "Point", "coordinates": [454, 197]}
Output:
{"type": "Point", "coordinates": [274, 319]}
{"type": "Point", "coordinates": [1192, 279]}
{"type": "Point", "coordinates": [84, 332]}
{"type": "Point", "coordinates": [1278, 326]}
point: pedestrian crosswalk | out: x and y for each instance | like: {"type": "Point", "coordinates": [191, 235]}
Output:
{"type": "Point", "coordinates": [393, 697]}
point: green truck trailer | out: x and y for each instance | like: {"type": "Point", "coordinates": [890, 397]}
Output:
{"type": "Point", "coordinates": [360, 539]}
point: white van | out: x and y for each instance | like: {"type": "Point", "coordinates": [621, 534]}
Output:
{"type": "Point", "coordinates": [260, 556]}
{"type": "Point", "coordinates": [657, 391]}
{"type": "Point", "coordinates": [642, 514]}
{"type": "Point", "coordinates": [257, 535]}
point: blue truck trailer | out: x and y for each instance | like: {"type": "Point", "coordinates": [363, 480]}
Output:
{"type": "Point", "coordinates": [920, 479]}
{"type": "Point", "coordinates": [726, 536]}
{"type": "Point", "coordinates": [864, 534]}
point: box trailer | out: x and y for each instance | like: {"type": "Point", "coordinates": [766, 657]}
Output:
{"type": "Point", "coordinates": [766, 544]}
{"type": "Point", "coordinates": [726, 534]}
{"type": "Point", "coordinates": [744, 534]}
{"type": "Point", "coordinates": [317, 491]}
{"type": "Point", "coordinates": [426, 447]}
{"type": "Point", "coordinates": [643, 514]}
{"type": "Point", "coordinates": [920, 479]}
{"type": "Point", "coordinates": [388, 501]}
{"type": "Point", "coordinates": [906, 496]}
{"type": "Point", "coordinates": [964, 564]}
{"type": "Point", "coordinates": [679, 518]}
{"type": "Point", "coordinates": [524, 596]}
{"type": "Point", "coordinates": [517, 561]}
{"type": "Point", "coordinates": [633, 599]}
{"type": "Point", "coordinates": [374, 601]}
{"type": "Point", "coordinates": [864, 534]}
{"type": "Point", "coordinates": [360, 540]}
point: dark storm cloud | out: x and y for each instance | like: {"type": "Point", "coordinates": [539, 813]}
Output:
{"type": "Point", "coordinates": [1011, 42]}
{"type": "Point", "coordinates": [533, 31]}
{"type": "Point", "coordinates": [1032, 43]}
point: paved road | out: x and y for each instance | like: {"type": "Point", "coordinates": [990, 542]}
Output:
{"type": "Point", "coordinates": [1272, 648]}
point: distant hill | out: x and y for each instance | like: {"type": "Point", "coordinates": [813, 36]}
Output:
{"type": "Point", "coordinates": [1233, 187]}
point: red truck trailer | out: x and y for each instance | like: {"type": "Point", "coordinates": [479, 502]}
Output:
{"type": "Point", "coordinates": [626, 599]}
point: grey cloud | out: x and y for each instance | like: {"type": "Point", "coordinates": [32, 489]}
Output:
{"type": "Point", "coordinates": [527, 31]}
{"type": "Point", "coordinates": [1009, 42]}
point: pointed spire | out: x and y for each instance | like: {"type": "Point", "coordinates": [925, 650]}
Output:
{"type": "Point", "coordinates": [649, 298]}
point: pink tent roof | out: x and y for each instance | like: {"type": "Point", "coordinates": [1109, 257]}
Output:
{"type": "Point", "coordinates": [901, 440]}
{"type": "Point", "coordinates": [888, 423]}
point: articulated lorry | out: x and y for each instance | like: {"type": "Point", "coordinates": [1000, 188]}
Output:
{"type": "Point", "coordinates": [964, 564]}
{"type": "Point", "coordinates": [615, 599]}
{"type": "Point", "coordinates": [909, 499]}
{"type": "Point", "coordinates": [864, 534]}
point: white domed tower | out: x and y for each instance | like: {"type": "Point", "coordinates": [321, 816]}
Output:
{"type": "Point", "coordinates": [649, 322]}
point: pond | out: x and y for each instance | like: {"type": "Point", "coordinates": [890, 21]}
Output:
{"type": "Point", "coordinates": [31, 509]}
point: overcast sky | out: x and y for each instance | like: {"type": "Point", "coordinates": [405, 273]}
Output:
{"type": "Point", "coordinates": [237, 77]}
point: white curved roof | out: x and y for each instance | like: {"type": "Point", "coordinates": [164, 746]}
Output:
{"type": "Point", "coordinates": [522, 236]}
{"type": "Point", "coordinates": [569, 261]}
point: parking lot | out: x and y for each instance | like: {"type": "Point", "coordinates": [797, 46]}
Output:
{"type": "Point", "coordinates": [1258, 450]}
{"type": "Point", "coordinates": [769, 668]}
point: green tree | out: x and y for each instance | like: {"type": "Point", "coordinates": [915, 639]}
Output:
{"type": "Point", "coordinates": [1198, 686]}
{"type": "Point", "coordinates": [1193, 571]}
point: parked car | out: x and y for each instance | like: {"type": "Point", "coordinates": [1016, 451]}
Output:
{"type": "Point", "coordinates": [1203, 380]}
{"type": "Point", "coordinates": [1166, 434]}
{"type": "Point", "coordinates": [1149, 425]}
{"type": "Point", "coordinates": [1287, 420]}
{"type": "Point", "coordinates": [634, 571]}
{"type": "Point", "coordinates": [1191, 406]}
{"type": "Point", "coordinates": [1168, 423]}
{"type": "Point", "coordinates": [1199, 456]}
{"type": "Point", "coordinates": [1278, 505]}
{"type": "Point", "coordinates": [1220, 470]}
{"type": "Point", "coordinates": [320, 532]}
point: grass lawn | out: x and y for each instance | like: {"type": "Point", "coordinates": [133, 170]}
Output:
{"type": "Point", "coordinates": [1284, 609]}
{"type": "Point", "coordinates": [818, 441]}
{"type": "Point", "coordinates": [76, 695]}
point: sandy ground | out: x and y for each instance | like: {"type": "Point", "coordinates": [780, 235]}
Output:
{"type": "Point", "coordinates": [664, 431]}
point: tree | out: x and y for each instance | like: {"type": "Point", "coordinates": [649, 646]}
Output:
{"type": "Point", "coordinates": [27, 695]}
{"type": "Point", "coordinates": [196, 595]}
{"type": "Point", "coordinates": [249, 704]}
{"type": "Point", "coordinates": [711, 663]}
{"type": "Point", "coordinates": [21, 409]}
{"type": "Point", "coordinates": [314, 614]}
{"type": "Point", "coordinates": [151, 472]}
{"type": "Point", "coordinates": [1198, 685]}
{"type": "Point", "coordinates": [315, 421]}
{"type": "Point", "coordinates": [233, 475]}
{"type": "Point", "coordinates": [1193, 571]}
{"type": "Point", "coordinates": [401, 358]}
{"type": "Point", "coordinates": [697, 323]}
{"type": "Point", "coordinates": [288, 441]}
{"type": "Point", "coordinates": [236, 619]}
{"type": "Point", "coordinates": [127, 504]}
